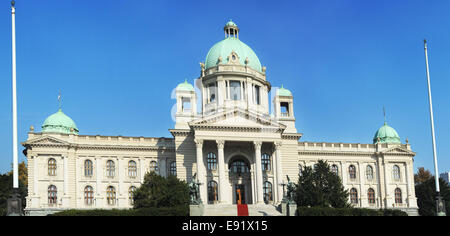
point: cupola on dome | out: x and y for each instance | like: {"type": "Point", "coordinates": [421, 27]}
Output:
{"type": "Point", "coordinates": [185, 86]}
{"type": "Point", "coordinates": [386, 134]}
{"type": "Point", "coordinates": [232, 48]}
{"type": "Point", "coordinates": [283, 92]}
{"type": "Point", "coordinates": [59, 123]}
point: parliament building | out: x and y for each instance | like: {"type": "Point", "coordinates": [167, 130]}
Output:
{"type": "Point", "coordinates": [226, 134]}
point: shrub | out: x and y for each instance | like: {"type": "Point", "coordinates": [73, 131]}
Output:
{"type": "Point", "coordinates": [154, 211]}
{"type": "Point", "coordinates": [328, 211]}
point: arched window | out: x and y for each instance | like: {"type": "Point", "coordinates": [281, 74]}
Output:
{"type": "Point", "coordinates": [88, 168]}
{"type": "Point", "coordinates": [267, 191]}
{"type": "Point", "coordinates": [265, 161]}
{"type": "Point", "coordinates": [396, 172]}
{"type": "Point", "coordinates": [173, 168]}
{"type": "Point", "coordinates": [239, 167]}
{"type": "Point", "coordinates": [110, 168]}
{"type": "Point", "coordinates": [371, 196]}
{"type": "Point", "coordinates": [352, 172]}
{"type": "Point", "coordinates": [354, 196]}
{"type": "Point", "coordinates": [52, 195]}
{"type": "Point", "coordinates": [111, 195]}
{"type": "Point", "coordinates": [154, 166]}
{"type": "Point", "coordinates": [213, 194]}
{"type": "Point", "coordinates": [335, 169]}
{"type": "Point", "coordinates": [88, 195]}
{"type": "Point", "coordinates": [52, 167]}
{"type": "Point", "coordinates": [132, 169]}
{"type": "Point", "coordinates": [212, 161]}
{"type": "Point", "coordinates": [131, 192]}
{"type": "Point", "coordinates": [398, 196]}
{"type": "Point", "coordinates": [369, 172]}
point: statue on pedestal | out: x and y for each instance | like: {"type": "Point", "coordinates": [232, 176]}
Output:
{"type": "Point", "coordinates": [291, 188]}
{"type": "Point", "coordinates": [194, 191]}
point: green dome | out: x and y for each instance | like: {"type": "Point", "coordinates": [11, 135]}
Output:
{"type": "Point", "coordinates": [59, 123]}
{"type": "Point", "coordinates": [185, 86]}
{"type": "Point", "coordinates": [386, 134]}
{"type": "Point", "coordinates": [225, 47]}
{"type": "Point", "coordinates": [283, 92]}
{"type": "Point", "coordinates": [231, 23]}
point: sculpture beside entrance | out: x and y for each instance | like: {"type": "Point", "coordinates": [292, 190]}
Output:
{"type": "Point", "coordinates": [194, 191]}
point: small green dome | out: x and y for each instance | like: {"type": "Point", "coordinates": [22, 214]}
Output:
{"type": "Point", "coordinates": [283, 92]}
{"type": "Point", "coordinates": [231, 23]}
{"type": "Point", "coordinates": [59, 123]}
{"type": "Point", "coordinates": [185, 86]}
{"type": "Point", "coordinates": [224, 48]}
{"type": "Point", "coordinates": [386, 134]}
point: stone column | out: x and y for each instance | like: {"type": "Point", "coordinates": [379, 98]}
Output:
{"type": "Point", "coordinates": [163, 168]}
{"type": "Point", "coordinates": [279, 170]}
{"type": "Point", "coordinates": [98, 198]}
{"type": "Point", "coordinates": [66, 190]}
{"type": "Point", "coordinates": [221, 168]}
{"type": "Point", "coordinates": [258, 169]}
{"type": "Point", "coordinates": [120, 173]}
{"type": "Point", "coordinates": [201, 171]}
{"type": "Point", "coordinates": [363, 198]}
{"type": "Point", "coordinates": [35, 176]}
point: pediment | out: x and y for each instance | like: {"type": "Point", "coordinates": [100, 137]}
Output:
{"type": "Point", "coordinates": [397, 150]}
{"type": "Point", "coordinates": [46, 140]}
{"type": "Point", "coordinates": [237, 118]}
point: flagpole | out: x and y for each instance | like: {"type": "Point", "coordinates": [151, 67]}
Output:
{"type": "Point", "coordinates": [440, 206]}
{"type": "Point", "coordinates": [14, 99]}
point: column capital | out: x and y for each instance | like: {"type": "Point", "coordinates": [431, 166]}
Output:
{"type": "Point", "coordinates": [278, 145]}
{"type": "Point", "coordinates": [198, 142]}
{"type": "Point", "coordinates": [257, 144]}
{"type": "Point", "coordinates": [220, 144]}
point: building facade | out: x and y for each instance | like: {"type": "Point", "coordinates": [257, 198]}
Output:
{"type": "Point", "coordinates": [240, 151]}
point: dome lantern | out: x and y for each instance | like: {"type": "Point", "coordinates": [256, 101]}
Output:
{"type": "Point", "coordinates": [231, 30]}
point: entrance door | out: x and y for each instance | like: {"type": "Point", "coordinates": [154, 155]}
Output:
{"type": "Point", "coordinates": [240, 194]}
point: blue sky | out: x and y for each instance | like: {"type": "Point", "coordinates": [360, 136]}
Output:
{"type": "Point", "coordinates": [116, 63]}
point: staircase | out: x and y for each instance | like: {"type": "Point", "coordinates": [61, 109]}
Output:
{"type": "Point", "coordinates": [231, 210]}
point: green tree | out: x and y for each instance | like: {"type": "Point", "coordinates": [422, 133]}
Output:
{"type": "Point", "coordinates": [6, 186]}
{"type": "Point", "coordinates": [320, 187]}
{"type": "Point", "coordinates": [426, 196]}
{"type": "Point", "coordinates": [422, 175]}
{"type": "Point", "coordinates": [157, 191]}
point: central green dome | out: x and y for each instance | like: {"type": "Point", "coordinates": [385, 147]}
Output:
{"type": "Point", "coordinates": [386, 134]}
{"type": "Point", "coordinates": [224, 48]}
{"type": "Point", "coordinates": [59, 123]}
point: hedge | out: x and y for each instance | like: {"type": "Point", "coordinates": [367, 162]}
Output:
{"type": "Point", "coordinates": [161, 211]}
{"type": "Point", "coordinates": [324, 211]}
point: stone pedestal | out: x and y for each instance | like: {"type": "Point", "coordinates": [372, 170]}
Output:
{"type": "Point", "coordinates": [196, 210]}
{"type": "Point", "coordinates": [14, 204]}
{"type": "Point", "coordinates": [284, 209]}
{"type": "Point", "coordinates": [292, 209]}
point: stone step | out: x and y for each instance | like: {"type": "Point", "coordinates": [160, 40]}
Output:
{"type": "Point", "coordinates": [231, 210]}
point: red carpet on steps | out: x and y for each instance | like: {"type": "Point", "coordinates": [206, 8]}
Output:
{"type": "Point", "coordinates": [242, 210]}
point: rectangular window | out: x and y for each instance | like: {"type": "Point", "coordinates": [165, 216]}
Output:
{"type": "Point", "coordinates": [235, 90]}
{"type": "Point", "coordinates": [284, 106]}
{"type": "Point", "coordinates": [257, 95]}
{"type": "Point", "coordinates": [186, 104]}
{"type": "Point", "coordinates": [212, 92]}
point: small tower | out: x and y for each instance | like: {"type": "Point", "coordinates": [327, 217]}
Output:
{"type": "Point", "coordinates": [283, 104]}
{"type": "Point", "coordinates": [186, 105]}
